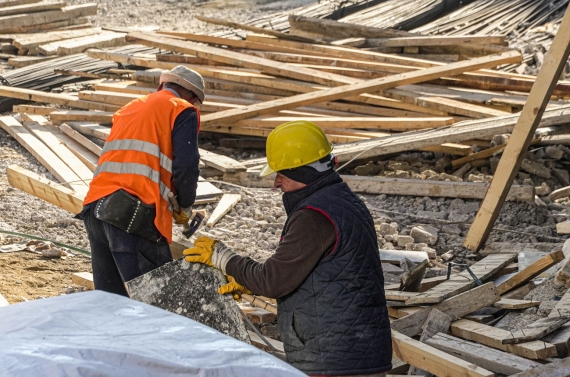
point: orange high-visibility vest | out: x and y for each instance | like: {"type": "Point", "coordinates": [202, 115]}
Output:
{"type": "Point", "coordinates": [137, 156]}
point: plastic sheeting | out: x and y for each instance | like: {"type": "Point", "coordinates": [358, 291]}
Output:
{"type": "Point", "coordinates": [101, 334]}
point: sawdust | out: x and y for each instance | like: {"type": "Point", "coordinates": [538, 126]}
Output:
{"type": "Point", "coordinates": [28, 276]}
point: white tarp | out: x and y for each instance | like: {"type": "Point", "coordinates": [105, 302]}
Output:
{"type": "Point", "coordinates": [100, 334]}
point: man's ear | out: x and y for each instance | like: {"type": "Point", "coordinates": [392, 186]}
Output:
{"type": "Point", "coordinates": [160, 87]}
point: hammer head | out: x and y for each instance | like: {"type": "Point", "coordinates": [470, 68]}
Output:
{"type": "Point", "coordinates": [193, 225]}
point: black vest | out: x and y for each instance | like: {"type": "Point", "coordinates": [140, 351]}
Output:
{"type": "Point", "coordinates": [336, 322]}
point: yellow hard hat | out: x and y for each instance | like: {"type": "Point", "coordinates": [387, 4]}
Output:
{"type": "Point", "coordinates": [294, 144]}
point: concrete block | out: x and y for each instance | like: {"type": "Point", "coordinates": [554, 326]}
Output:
{"type": "Point", "coordinates": [386, 229]}
{"type": "Point", "coordinates": [535, 168]}
{"type": "Point", "coordinates": [424, 234]}
{"type": "Point", "coordinates": [404, 240]}
{"type": "Point", "coordinates": [191, 290]}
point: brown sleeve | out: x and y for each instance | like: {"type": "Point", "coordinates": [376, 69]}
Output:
{"type": "Point", "coordinates": [310, 236]}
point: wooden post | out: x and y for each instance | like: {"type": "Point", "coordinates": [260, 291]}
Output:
{"type": "Point", "coordinates": [521, 137]}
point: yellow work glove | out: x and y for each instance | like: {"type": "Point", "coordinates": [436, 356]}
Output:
{"type": "Point", "coordinates": [209, 252]}
{"type": "Point", "coordinates": [233, 287]}
{"type": "Point", "coordinates": [180, 217]}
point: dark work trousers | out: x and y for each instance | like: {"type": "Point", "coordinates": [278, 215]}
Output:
{"type": "Point", "coordinates": [118, 256]}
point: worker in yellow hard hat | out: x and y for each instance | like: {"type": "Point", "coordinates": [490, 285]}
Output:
{"type": "Point", "coordinates": [326, 273]}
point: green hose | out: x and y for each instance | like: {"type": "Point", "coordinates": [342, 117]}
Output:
{"type": "Point", "coordinates": [82, 251]}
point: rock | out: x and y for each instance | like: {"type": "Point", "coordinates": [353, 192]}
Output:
{"type": "Point", "coordinates": [442, 164]}
{"type": "Point", "coordinates": [404, 240]}
{"type": "Point", "coordinates": [462, 170]}
{"type": "Point", "coordinates": [388, 246]}
{"type": "Point", "coordinates": [457, 216]}
{"type": "Point", "coordinates": [432, 253]}
{"type": "Point", "coordinates": [535, 168]}
{"type": "Point", "coordinates": [554, 152]}
{"type": "Point", "coordinates": [494, 162]}
{"type": "Point", "coordinates": [387, 229]}
{"type": "Point", "coordinates": [369, 169]}
{"type": "Point", "coordinates": [432, 215]}
{"type": "Point", "coordinates": [449, 177]}
{"type": "Point", "coordinates": [407, 265]}
{"type": "Point", "coordinates": [448, 256]}
{"type": "Point", "coordinates": [391, 238]}
{"type": "Point", "coordinates": [543, 189]}
{"type": "Point", "coordinates": [564, 192]}
{"type": "Point", "coordinates": [500, 139]}
{"type": "Point", "coordinates": [451, 229]}
{"type": "Point", "coordinates": [398, 174]}
{"type": "Point", "coordinates": [471, 207]}
{"type": "Point", "coordinates": [424, 234]}
{"type": "Point", "coordinates": [562, 175]}
{"type": "Point", "coordinates": [481, 178]}
{"type": "Point", "coordinates": [416, 246]}
{"type": "Point", "coordinates": [392, 268]}
{"type": "Point", "coordinates": [191, 290]}
{"type": "Point", "coordinates": [398, 165]}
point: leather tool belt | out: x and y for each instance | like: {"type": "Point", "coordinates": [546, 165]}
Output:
{"type": "Point", "coordinates": [127, 212]}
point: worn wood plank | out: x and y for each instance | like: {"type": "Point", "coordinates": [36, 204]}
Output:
{"type": "Point", "coordinates": [418, 187]}
{"type": "Point", "coordinates": [91, 129]}
{"type": "Point", "coordinates": [84, 279]}
{"type": "Point", "coordinates": [492, 337]}
{"type": "Point", "coordinates": [456, 307]}
{"type": "Point", "coordinates": [53, 98]}
{"type": "Point", "coordinates": [226, 203]}
{"type": "Point", "coordinates": [512, 304]}
{"type": "Point", "coordinates": [431, 359]}
{"type": "Point", "coordinates": [425, 284]}
{"type": "Point", "coordinates": [91, 146]}
{"type": "Point", "coordinates": [531, 271]}
{"type": "Point", "coordinates": [43, 154]}
{"type": "Point", "coordinates": [463, 281]}
{"type": "Point", "coordinates": [557, 368]}
{"type": "Point", "coordinates": [359, 88]}
{"type": "Point", "coordinates": [521, 137]}
{"type": "Point", "coordinates": [29, 8]}
{"type": "Point", "coordinates": [437, 322]}
{"type": "Point", "coordinates": [412, 280]}
{"type": "Point", "coordinates": [221, 162]}
{"type": "Point", "coordinates": [432, 41]}
{"type": "Point", "coordinates": [50, 191]}
{"type": "Point", "coordinates": [12, 3]}
{"type": "Point", "coordinates": [396, 256]}
{"type": "Point", "coordinates": [483, 356]}
{"type": "Point", "coordinates": [535, 330]}
{"type": "Point", "coordinates": [76, 45]}
{"type": "Point", "coordinates": [9, 23]}
{"type": "Point", "coordinates": [61, 116]}
{"type": "Point", "coordinates": [31, 41]}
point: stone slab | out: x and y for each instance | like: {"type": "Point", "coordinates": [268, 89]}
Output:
{"type": "Point", "coordinates": [191, 290]}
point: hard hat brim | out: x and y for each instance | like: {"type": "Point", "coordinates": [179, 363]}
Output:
{"type": "Point", "coordinates": [266, 171]}
{"type": "Point", "coordinates": [169, 77]}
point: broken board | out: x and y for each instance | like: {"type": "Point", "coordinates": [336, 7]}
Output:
{"type": "Point", "coordinates": [191, 290]}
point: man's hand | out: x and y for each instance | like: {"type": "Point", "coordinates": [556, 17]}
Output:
{"type": "Point", "coordinates": [234, 288]}
{"type": "Point", "coordinates": [180, 217]}
{"type": "Point", "coordinates": [209, 252]}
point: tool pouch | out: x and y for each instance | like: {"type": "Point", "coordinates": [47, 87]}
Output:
{"type": "Point", "coordinates": [128, 213]}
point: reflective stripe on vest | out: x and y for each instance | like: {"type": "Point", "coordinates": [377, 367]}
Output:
{"type": "Point", "coordinates": [138, 169]}
{"type": "Point", "coordinates": [139, 146]}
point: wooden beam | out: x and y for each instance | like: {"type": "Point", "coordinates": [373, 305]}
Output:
{"type": "Point", "coordinates": [32, 109]}
{"type": "Point", "coordinates": [483, 356]}
{"type": "Point", "coordinates": [97, 150]}
{"type": "Point", "coordinates": [412, 280]}
{"type": "Point", "coordinates": [396, 256]}
{"type": "Point", "coordinates": [557, 368]}
{"type": "Point", "coordinates": [432, 40]}
{"type": "Point", "coordinates": [40, 187]}
{"type": "Point", "coordinates": [347, 91]}
{"type": "Point", "coordinates": [221, 162]}
{"type": "Point", "coordinates": [512, 304]}
{"type": "Point", "coordinates": [12, 3]}
{"type": "Point", "coordinates": [493, 336]}
{"type": "Point", "coordinates": [80, 44]}
{"type": "Point", "coordinates": [66, 24]}
{"type": "Point", "coordinates": [226, 203]}
{"type": "Point", "coordinates": [531, 271]}
{"type": "Point", "coordinates": [437, 322]}
{"type": "Point", "coordinates": [419, 187]}
{"type": "Point", "coordinates": [456, 307]}
{"type": "Point", "coordinates": [433, 360]}
{"type": "Point", "coordinates": [53, 98]}
{"type": "Point", "coordinates": [43, 154]}
{"type": "Point", "coordinates": [521, 137]}
{"type": "Point", "coordinates": [31, 41]}
{"type": "Point", "coordinates": [425, 284]}
{"type": "Point", "coordinates": [91, 129]}
{"type": "Point", "coordinates": [3, 301]}
{"type": "Point", "coordinates": [61, 116]}
{"type": "Point", "coordinates": [83, 279]}
{"type": "Point", "coordinates": [10, 23]}
{"type": "Point", "coordinates": [463, 281]}
{"type": "Point", "coordinates": [113, 98]}
{"type": "Point", "coordinates": [29, 8]}
{"type": "Point", "coordinates": [535, 330]}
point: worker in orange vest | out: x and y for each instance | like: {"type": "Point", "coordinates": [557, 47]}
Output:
{"type": "Point", "coordinates": [152, 150]}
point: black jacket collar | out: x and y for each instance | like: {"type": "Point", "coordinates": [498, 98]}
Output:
{"type": "Point", "coordinates": [293, 198]}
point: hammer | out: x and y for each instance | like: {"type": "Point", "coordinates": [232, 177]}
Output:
{"type": "Point", "coordinates": [188, 228]}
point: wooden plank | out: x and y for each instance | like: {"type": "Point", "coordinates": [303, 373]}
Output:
{"type": "Point", "coordinates": [487, 153]}
{"type": "Point", "coordinates": [512, 304]}
{"type": "Point", "coordinates": [557, 368]}
{"type": "Point", "coordinates": [24, 61]}
{"type": "Point", "coordinates": [10, 23]}
{"type": "Point", "coordinates": [31, 41]}
{"type": "Point", "coordinates": [437, 322]}
{"type": "Point", "coordinates": [77, 166]}
{"type": "Point", "coordinates": [53, 98]}
{"type": "Point", "coordinates": [31, 109]}
{"type": "Point", "coordinates": [463, 281]}
{"type": "Point", "coordinates": [113, 98]}
{"type": "Point", "coordinates": [531, 271]}
{"type": "Point", "coordinates": [79, 45]}
{"type": "Point", "coordinates": [418, 187]}
{"type": "Point", "coordinates": [521, 137]}
{"type": "Point", "coordinates": [43, 154]}
{"type": "Point", "coordinates": [431, 359]}
{"type": "Point", "coordinates": [29, 8]}
{"type": "Point", "coordinates": [493, 336]}
{"type": "Point", "coordinates": [402, 311]}
{"type": "Point", "coordinates": [472, 129]}
{"type": "Point", "coordinates": [221, 162]}
{"type": "Point", "coordinates": [226, 203]}
{"type": "Point", "coordinates": [456, 307]}
{"type": "Point", "coordinates": [483, 356]}
{"type": "Point", "coordinates": [91, 146]}
{"type": "Point", "coordinates": [91, 129]}
{"type": "Point", "coordinates": [66, 24]}
{"type": "Point", "coordinates": [563, 192]}
{"type": "Point", "coordinates": [535, 330]}
{"type": "Point", "coordinates": [83, 279]}
{"type": "Point", "coordinates": [412, 280]}
{"type": "Point", "coordinates": [399, 296]}
{"type": "Point", "coordinates": [347, 91]}
{"type": "Point", "coordinates": [61, 116]}
{"type": "Point", "coordinates": [425, 284]}
{"type": "Point", "coordinates": [432, 41]}
{"type": "Point", "coordinates": [12, 3]}
{"type": "Point", "coordinates": [50, 191]}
